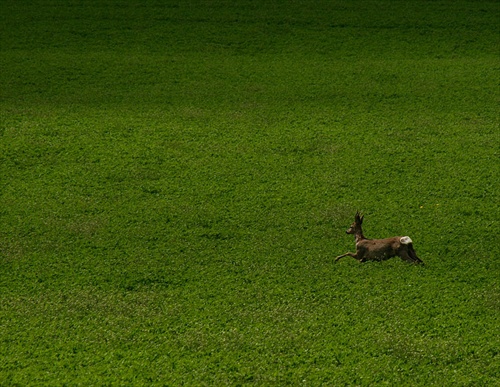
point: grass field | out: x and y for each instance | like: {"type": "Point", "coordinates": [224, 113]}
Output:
{"type": "Point", "coordinates": [177, 177]}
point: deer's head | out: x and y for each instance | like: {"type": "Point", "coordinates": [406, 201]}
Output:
{"type": "Point", "coordinates": [356, 225]}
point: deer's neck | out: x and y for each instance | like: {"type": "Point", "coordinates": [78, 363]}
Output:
{"type": "Point", "coordinates": [359, 236]}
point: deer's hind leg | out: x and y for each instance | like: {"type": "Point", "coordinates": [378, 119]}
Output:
{"type": "Point", "coordinates": [413, 255]}
{"type": "Point", "coordinates": [409, 255]}
{"type": "Point", "coordinates": [405, 256]}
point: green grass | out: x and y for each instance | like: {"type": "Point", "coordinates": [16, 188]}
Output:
{"type": "Point", "coordinates": [177, 177]}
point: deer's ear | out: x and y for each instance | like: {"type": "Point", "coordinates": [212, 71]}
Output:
{"type": "Point", "coordinates": [361, 219]}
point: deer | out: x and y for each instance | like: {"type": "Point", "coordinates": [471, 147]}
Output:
{"type": "Point", "coordinates": [379, 249]}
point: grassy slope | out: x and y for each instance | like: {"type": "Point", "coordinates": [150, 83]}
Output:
{"type": "Point", "coordinates": [176, 180]}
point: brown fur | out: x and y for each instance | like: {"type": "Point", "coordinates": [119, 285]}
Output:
{"type": "Point", "coordinates": [378, 249]}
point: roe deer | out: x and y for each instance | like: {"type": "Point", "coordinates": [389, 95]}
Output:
{"type": "Point", "coordinates": [379, 249]}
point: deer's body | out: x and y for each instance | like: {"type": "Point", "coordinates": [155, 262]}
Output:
{"type": "Point", "coordinates": [379, 249]}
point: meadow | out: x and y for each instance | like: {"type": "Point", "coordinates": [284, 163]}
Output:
{"type": "Point", "coordinates": [176, 179]}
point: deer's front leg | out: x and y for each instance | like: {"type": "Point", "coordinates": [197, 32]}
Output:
{"type": "Point", "coordinates": [345, 255]}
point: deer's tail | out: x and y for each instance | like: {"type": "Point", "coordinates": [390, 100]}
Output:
{"type": "Point", "coordinates": [406, 240]}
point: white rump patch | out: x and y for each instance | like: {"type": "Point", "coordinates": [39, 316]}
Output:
{"type": "Point", "coordinates": [406, 240]}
